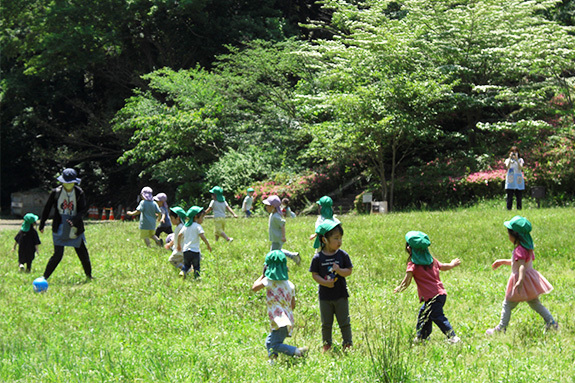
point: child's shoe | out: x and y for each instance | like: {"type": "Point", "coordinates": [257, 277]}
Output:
{"type": "Point", "coordinates": [326, 348]}
{"type": "Point", "coordinates": [272, 360]}
{"type": "Point", "coordinates": [301, 351]}
{"type": "Point", "coordinates": [297, 259]}
{"type": "Point", "coordinates": [418, 340]}
{"type": "Point", "coordinates": [553, 326]}
{"type": "Point", "coordinates": [494, 330]}
{"type": "Point", "coordinates": [453, 340]}
{"type": "Point", "coordinates": [21, 268]}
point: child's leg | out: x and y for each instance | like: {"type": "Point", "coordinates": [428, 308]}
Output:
{"type": "Point", "coordinates": [147, 241]}
{"type": "Point", "coordinates": [439, 318]}
{"type": "Point", "coordinates": [424, 322]}
{"type": "Point", "coordinates": [275, 343]}
{"type": "Point", "coordinates": [344, 321]}
{"type": "Point", "coordinates": [157, 240]}
{"type": "Point", "coordinates": [326, 311]}
{"type": "Point", "coordinates": [177, 260]}
{"type": "Point", "coordinates": [187, 261]}
{"type": "Point", "coordinates": [506, 314]}
{"type": "Point", "coordinates": [536, 305]}
{"type": "Point", "coordinates": [196, 258]}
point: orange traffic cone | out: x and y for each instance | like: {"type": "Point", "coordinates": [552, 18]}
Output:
{"type": "Point", "coordinates": [123, 217]}
{"type": "Point", "coordinates": [111, 218]}
{"type": "Point", "coordinates": [103, 214]}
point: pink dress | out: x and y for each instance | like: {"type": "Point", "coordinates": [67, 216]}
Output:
{"type": "Point", "coordinates": [534, 284]}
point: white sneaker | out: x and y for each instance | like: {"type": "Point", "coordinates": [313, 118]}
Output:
{"type": "Point", "coordinates": [21, 268]}
{"type": "Point", "coordinates": [301, 351]}
{"type": "Point", "coordinates": [454, 339]}
{"type": "Point", "coordinates": [297, 259]}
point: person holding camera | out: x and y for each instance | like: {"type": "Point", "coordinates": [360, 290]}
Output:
{"type": "Point", "coordinates": [514, 181]}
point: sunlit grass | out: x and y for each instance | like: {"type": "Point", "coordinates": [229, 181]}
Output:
{"type": "Point", "coordinates": [139, 322]}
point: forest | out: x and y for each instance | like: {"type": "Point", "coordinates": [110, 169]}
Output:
{"type": "Point", "coordinates": [416, 101]}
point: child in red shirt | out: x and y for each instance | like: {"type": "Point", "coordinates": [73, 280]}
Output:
{"type": "Point", "coordinates": [422, 267]}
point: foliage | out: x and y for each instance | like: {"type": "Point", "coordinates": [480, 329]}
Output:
{"type": "Point", "coordinates": [137, 321]}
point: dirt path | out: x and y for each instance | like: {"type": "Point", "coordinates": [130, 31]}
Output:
{"type": "Point", "coordinates": [13, 224]}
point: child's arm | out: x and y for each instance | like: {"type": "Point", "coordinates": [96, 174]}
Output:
{"type": "Point", "coordinates": [293, 303]}
{"type": "Point", "coordinates": [519, 282]}
{"type": "Point", "coordinates": [258, 284]}
{"type": "Point", "coordinates": [179, 241]}
{"type": "Point", "coordinates": [209, 210]}
{"type": "Point", "coordinates": [169, 244]}
{"type": "Point", "coordinates": [133, 213]}
{"type": "Point", "coordinates": [203, 237]}
{"type": "Point", "coordinates": [163, 219]}
{"type": "Point", "coordinates": [342, 272]}
{"type": "Point", "coordinates": [312, 237]}
{"type": "Point", "coordinates": [324, 282]}
{"type": "Point", "coordinates": [37, 249]}
{"type": "Point", "coordinates": [15, 246]}
{"type": "Point", "coordinates": [500, 262]}
{"type": "Point", "coordinates": [448, 266]}
{"type": "Point", "coordinates": [231, 211]}
{"type": "Point", "coordinates": [283, 233]}
{"type": "Point", "coordinates": [405, 283]}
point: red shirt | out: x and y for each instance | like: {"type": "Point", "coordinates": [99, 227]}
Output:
{"type": "Point", "coordinates": [427, 280]}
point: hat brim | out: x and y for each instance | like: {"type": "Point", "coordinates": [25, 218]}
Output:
{"type": "Point", "coordinates": [74, 181]}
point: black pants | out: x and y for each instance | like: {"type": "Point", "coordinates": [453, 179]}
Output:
{"type": "Point", "coordinates": [54, 261]}
{"type": "Point", "coordinates": [518, 197]}
{"type": "Point", "coordinates": [192, 259]}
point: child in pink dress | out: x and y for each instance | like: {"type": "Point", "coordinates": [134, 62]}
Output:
{"type": "Point", "coordinates": [525, 283]}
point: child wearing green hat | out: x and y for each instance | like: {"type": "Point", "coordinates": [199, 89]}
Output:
{"type": "Point", "coordinates": [248, 203]}
{"type": "Point", "coordinates": [525, 283]}
{"type": "Point", "coordinates": [280, 299]}
{"type": "Point", "coordinates": [422, 267]}
{"type": "Point", "coordinates": [325, 210]}
{"type": "Point", "coordinates": [27, 241]}
{"type": "Point", "coordinates": [219, 205]}
{"type": "Point", "coordinates": [329, 268]}
{"type": "Point", "coordinates": [190, 236]}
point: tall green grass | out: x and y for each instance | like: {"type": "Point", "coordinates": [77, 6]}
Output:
{"type": "Point", "coordinates": [139, 322]}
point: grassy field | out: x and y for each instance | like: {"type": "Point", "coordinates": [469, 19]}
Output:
{"type": "Point", "coordinates": [139, 322]}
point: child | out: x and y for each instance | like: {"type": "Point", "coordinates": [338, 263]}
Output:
{"type": "Point", "coordinates": [329, 268]}
{"type": "Point", "coordinates": [165, 225]}
{"type": "Point", "coordinates": [276, 227]}
{"type": "Point", "coordinates": [190, 236]}
{"type": "Point", "coordinates": [422, 267]}
{"type": "Point", "coordinates": [219, 205]}
{"type": "Point", "coordinates": [280, 299]}
{"type": "Point", "coordinates": [286, 211]}
{"type": "Point", "coordinates": [248, 203]}
{"type": "Point", "coordinates": [27, 241]}
{"type": "Point", "coordinates": [325, 211]}
{"type": "Point", "coordinates": [514, 180]}
{"type": "Point", "coordinates": [177, 217]}
{"type": "Point", "coordinates": [525, 283]}
{"type": "Point", "coordinates": [148, 211]}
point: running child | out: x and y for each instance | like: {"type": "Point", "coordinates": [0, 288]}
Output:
{"type": "Point", "coordinates": [248, 202]}
{"type": "Point", "coordinates": [219, 205]}
{"type": "Point", "coordinates": [27, 241]}
{"type": "Point", "coordinates": [178, 217]}
{"type": "Point", "coordinates": [329, 268]}
{"type": "Point", "coordinates": [190, 236]}
{"type": "Point", "coordinates": [280, 299]}
{"type": "Point", "coordinates": [148, 211]}
{"type": "Point", "coordinates": [165, 224]}
{"type": "Point", "coordinates": [276, 227]}
{"type": "Point", "coordinates": [422, 267]}
{"type": "Point", "coordinates": [525, 284]}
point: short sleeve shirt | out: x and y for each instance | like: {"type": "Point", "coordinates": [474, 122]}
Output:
{"type": "Point", "coordinates": [219, 208]}
{"type": "Point", "coordinates": [522, 253]}
{"type": "Point", "coordinates": [276, 223]}
{"type": "Point", "coordinates": [279, 295]}
{"type": "Point", "coordinates": [27, 241]}
{"type": "Point", "coordinates": [148, 211]}
{"type": "Point", "coordinates": [321, 264]}
{"type": "Point", "coordinates": [427, 279]}
{"type": "Point", "coordinates": [192, 237]}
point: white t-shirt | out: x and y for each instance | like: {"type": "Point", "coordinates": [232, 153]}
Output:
{"type": "Point", "coordinates": [175, 245]}
{"type": "Point", "coordinates": [219, 208]}
{"type": "Point", "coordinates": [192, 237]}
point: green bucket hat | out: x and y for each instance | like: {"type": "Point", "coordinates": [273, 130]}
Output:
{"type": "Point", "coordinates": [326, 226]}
{"type": "Point", "coordinates": [326, 204]}
{"type": "Point", "coordinates": [276, 263]}
{"type": "Point", "coordinates": [180, 212]}
{"type": "Point", "coordinates": [419, 243]}
{"type": "Point", "coordinates": [219, 192]}
{"type": "Point", "coordinates": [192, 212]}
{"type": "Point", "coordinates": [250, 190]}
{"type": "Point", "coordinates": [521, 226]}
{"type": "Point", "coordinates": [29, 219]}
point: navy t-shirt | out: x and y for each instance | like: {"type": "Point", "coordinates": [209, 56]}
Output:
{"type": "Point", "coordinates": [27, 241]}
{"type": "Point", "coordinates": [321, 265]}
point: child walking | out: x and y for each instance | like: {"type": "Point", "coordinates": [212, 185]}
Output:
{"type": "Point", "coordinates": [177, 217]}
{"type": "Point", "coordinates": [248, 203]}
{"type": "Point", "coordinates": [525, 283]}
{"type": "Point", "coordinates": [280, 299]}
{"type": "Point", "coordinates": [325, 211]}
{"type": "Point", "coordinates": [27, 241]}
{"type": "Point", "coordinates": [422, 267]}
{"type": "Point", "coordinates": [276, 227]}
{"type": "Point", "coordinates": [190, 236]}
{"type": "Point", "coordinates": [219, 205]}
{"type": "Point", "coordinates": [165, 224]}
{"type": "Point", "coordinates": [329, 268]}
{"type": "Point", "coordinates": [148, 211]}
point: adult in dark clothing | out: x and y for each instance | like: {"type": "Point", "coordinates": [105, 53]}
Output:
{"type": "Point", "coordinates": [69, 204]}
